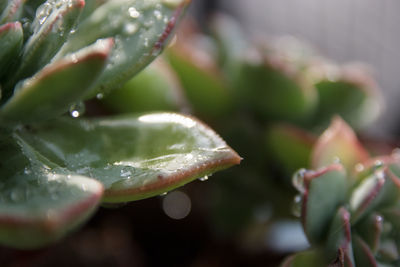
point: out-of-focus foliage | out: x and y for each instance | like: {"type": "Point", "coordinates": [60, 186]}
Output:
{"type": "Point", "coordinates": [269, 98]}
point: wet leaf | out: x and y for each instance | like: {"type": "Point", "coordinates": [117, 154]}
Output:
{"type": "Point", "coordinates": [10, 42]}
{"type": "Point", "coordinates": [140, 28]}
{"type": "Point", "coordinates": [39, 206]}
{"type": "Point", "coordinates": [51, 27]}
{"type": "Point", "coordinates": [51, 91]}
{"type": "Point", "coordinates": [133, 156]}
{"type": "Point", "coordinates": [12, 11]}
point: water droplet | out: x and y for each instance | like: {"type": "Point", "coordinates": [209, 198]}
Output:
{"type": "Point", "coordinates": [298, 180]}
{"type": "Point", "coordinates": [297, 203]}
{"type": "Point", "coordinates": [100, 96]}
{"type": "Point", "coordinates": [27, 171]}
{"type": "Point", "coordinates": [130, 28]}
{"type": "Point", "coordinates": [76, 110]}
{"type": "Point", "coordinates": [133, 13]}
{"type": "Point", "coordinates": [126, 173]}
{"type": "Point", "coordinates": [359, 167]}
{"type": "Point", "coordinates": [202, 179]}
{"type": "Point", "coordinates": [378, 164]}
{"type": "Point", "coordinates": [157, 14]}
{"type": "Point", "coordinates": [146, 42]}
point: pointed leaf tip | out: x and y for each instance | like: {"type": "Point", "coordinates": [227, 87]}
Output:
{"type": "Point", "coordinates": [338, 142]}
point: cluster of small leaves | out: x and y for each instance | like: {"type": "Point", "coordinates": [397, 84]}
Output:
{"type": "Point", "coordinates": [55, 170]}
{"type": "Point", "coordinates": [260, 96]}
{"type": "Point", "coordinates": [348, 203]}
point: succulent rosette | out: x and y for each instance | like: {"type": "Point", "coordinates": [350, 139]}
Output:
{"type": "Point", "coordinates": [348, 203]}
{"type": "Point", "coordinates": [55, 170]}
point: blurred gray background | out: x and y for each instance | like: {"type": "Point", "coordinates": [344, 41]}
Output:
{"type": "Point", "coordinates": [343, 30]}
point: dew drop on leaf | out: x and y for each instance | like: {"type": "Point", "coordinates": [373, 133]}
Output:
{"type": "Point", "coordinates": [133, 13]}
{"type": "Point", "coordinates": [157, 14]}
{"type": "Point", "coordinates": [203, 179]}
{"type": "Point", "coordinates": [296, 208]}
{"type": "Point", "coordinates": [298, 180]}
{"type": "Point", "coordinates": [76, 110]}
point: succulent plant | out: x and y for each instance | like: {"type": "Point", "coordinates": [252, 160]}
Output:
{"type": "Point", "coordinates": [56, 170]}
{"type": "Point", "coordinates": [279, 92]}
{"type": "Point", "coordinates": [348, 203]}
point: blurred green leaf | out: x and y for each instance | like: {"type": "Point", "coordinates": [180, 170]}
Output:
{"type": "Point", "coordinates": [309, 258]}
{"type": "Point", "coordinates": [154, 89]}
{"type": "Point", "coordinates": [362, 253]}
{"type": "Point", "coordinates": [339, 237]}
{"type": "Point", "coordinates": [290, 147]}
{"type": "Point", "coordinates": [338, 143]}
{"type": "Point", "coordinates": [325, 191]}
{"type": "Point", "coordinates": [203, 83]}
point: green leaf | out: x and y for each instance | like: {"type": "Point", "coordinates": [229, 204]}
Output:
{"type": "Point", "coordinates": [232, 45]}
{"type": "Point", "coordinates": [290, 146]}
{"type": "Point", "coordinates": [133, 156]}
{"type": "Point", "coordinates": [351, 93]}
{"type": "Point", "coordinates": [368, 195]}
{"type": "Point", "coordinates": [370, 230]}
{"type": "Point", "coordinates": [275, 94]}
{"type": "Point", "coordinates": [10, 43]}
{"type": "Point", "coordinates": [362, 253]}
{"type": "Point", "coordinates": [156, 88]}
{"type": "Point", "coordinates": [324, 191]}
{"type": "Point", "coordinates": [339, 237]}
{"type": "Point", "coordinates": [311, 258]}
{"type": "Point", "coordinates": [12, 11]}
{"type": "Point", "coordinates": [338, 142]}
{"type": "Point", "coordinates": [140, 28]}
{"type": "Point", "coordinates": [39, 206]}
{"type": "Point", "coordinates": [51, 91]}
{"type": "Point", "coordinates": [202, 80]}
{"type": "Point", "coordinates": [51, 26]}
